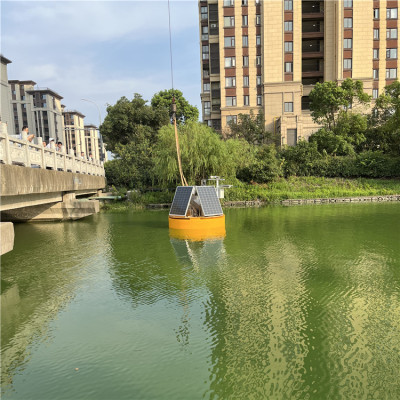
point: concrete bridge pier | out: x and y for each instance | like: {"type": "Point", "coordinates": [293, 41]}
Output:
{"type": "Point", "coordinates": [68, 209]}
{"type": "Point", "coordinates": [6, 237]}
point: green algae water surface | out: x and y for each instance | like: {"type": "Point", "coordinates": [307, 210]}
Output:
{"type": "Point", "coordinates": [295, 303]}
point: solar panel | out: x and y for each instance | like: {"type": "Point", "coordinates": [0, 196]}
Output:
{"type": "Point", "coordinates": [181, 201]}
{"type": "Point", "coordinates": [209, 201]}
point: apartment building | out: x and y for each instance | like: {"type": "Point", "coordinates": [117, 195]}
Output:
{"type": "Point", "coordinates": [6, 115]}
{"type": "Point", "coordinates": [74, 130]}
{"type": "Point", "coordinates": [37, 108]}
{"type": "Point", "coordinates": [268, 55]}
{"type": "Point", "coordinates": [92, 141]}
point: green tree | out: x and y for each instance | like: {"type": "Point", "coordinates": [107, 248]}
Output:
{"type": "Point", "coordinates": [263, 167]}
{"type": "Point", "coordinates": [300, 159]}
{"type": "Point", "coordinates": [203, 153]}
{"type": "Point", "coordinates": [129, 119]}
{"type": "Point", "coordinates": [384, 132]}
{"type": "Point", "coordinates": [184, 110]}
{"type": "Point", "coordinates": [328, 98]}
{"type": "Point", "coordinates": [251, 128]}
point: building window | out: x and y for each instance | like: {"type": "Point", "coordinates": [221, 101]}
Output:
{"type": "Point", "coordinates": [288, 5]}
{"type": "Point", "coordinates": [206, 73]}
{"type": "Point", "coordinates": [375, 73]}
{"type": "Point", "coordinates": [205, 52]}
{"type": "Point", "coordinates": [391, 13]}
{"type": "Point", "coordinates": [348, 3]}
{"type": "Point", "coordinates": [230, 81]}
{"type": "Point", "coordinates": [24, 105]}
{"type": "Point", "coordinates": [229, 21]}
{"type": "Point", "coordinates": [245, 81]}
{"type": "Point", "coordinates": [391, 33]}
{"type": "Point", "coordinates": [230, 62]}
{"type": "Point", "coordinates": [259, 100]}
{"type": "Point", "coordinates": [231, 118]}
{"type": "Point", "coordinates": [375, 93]}
{"type": "Point", "coordinates": [376, 34]}
{"type": "Point", "coordinates": [348, 22]}
{"type": "Point", "coordinates": [391, 53]}
{"type": "Point", "coordinates": [289, 107]}
{"type": "Point", "coordinates": [206, 87]}
{"type": "Point", "coordinates": [391, 73]}
{"type": "Point", "coordinates": [288, 47]}
{"type": "Point", "coordinates": [245, 41]}
{"type": "Point", "coordinates": [204, 13]}
{"type": "Point", "coordinates": [348, 43]}
{"type": "Point", "coordinates": [258, 61]}
{"type": "Point", "coordinates": [288, 67]}
{"type": "Point", "coordinates": [230, 101]}
{"type": "Point", "coordinates": [246, 100]}
{"type": "Point", "coordinates": [258, 40]}
{"type": "Point", "coordinates": [258, 19]}
{"type": "Point", "coordinates": [244, 3]}
{"type": "Point", "coordinates": [258, 80]}
{"type": "Point", "coordinates": [245, 61]}
{"type": "Point", "coordinates": [207, 108]}
{"type": "Point", "coordinates": [376, 13]}
{"type": "Point", "coordinates": [347, 63]}
{"type": "Point", "coordinates": [229, 41]}
{"type": "Point", "coordinates": [229, 3]}
{"type": "Point", "coordinates": [245, 20]}
{"type": "Point", "coordinates": [213, 28]}
{"type": "Point", "coordinates": [376, 54]}
{"type": "Point", "coordinates": [204, 33]}
{"type": "Point", "coordinates": [288, 26]}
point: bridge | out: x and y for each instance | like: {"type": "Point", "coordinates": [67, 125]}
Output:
{"type": "Point", "coordinates": [43, 184]}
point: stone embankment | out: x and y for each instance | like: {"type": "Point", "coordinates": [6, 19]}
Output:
{"type": "Point", "coordinates": [361, 199]}
{"type": "Point", "coordinates": [296, 202]}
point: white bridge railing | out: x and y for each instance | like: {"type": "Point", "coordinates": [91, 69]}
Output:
{"type": "Point", "coordinates": [25, 153]}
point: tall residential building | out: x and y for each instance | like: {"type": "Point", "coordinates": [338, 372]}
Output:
{"type": "Point", "coordinates": [268, 55]}
{"type": "Point", "coordinates": [6, 114]}
{"type": "Point", "coordinates": [37, 108]}
{"type": "Point", "coordinates": [74, 131]}
{"type": "Point", "coordinates": [92, 141]}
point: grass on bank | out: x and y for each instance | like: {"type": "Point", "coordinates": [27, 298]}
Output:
{"type": "Point", "coordinates": [276, 191]}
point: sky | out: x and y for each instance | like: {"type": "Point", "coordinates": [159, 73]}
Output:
{"type": "Point", "coordinates": [102, 50]}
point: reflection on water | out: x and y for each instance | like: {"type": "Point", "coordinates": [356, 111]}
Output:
{"type": "Point", "coordinates": [293, 303]}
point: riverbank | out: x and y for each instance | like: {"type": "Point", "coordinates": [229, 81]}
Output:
{"type": "Point", "coordinates": [307, 189]}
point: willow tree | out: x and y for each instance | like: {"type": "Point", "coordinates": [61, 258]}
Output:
{"type": "Point", "coordinates": [203, 154]}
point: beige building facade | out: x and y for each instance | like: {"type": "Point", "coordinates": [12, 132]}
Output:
{"type": "Point", "coordinates": [268, 55]}
{"type": "Point", "coordinates": [74, 129]}
{"type": "Point", "coordinates": [37, 108]}
{"type": "Point", "coordinates": [6, 114]}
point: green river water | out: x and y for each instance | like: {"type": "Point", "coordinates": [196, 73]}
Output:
{"type": "Point", "coordinates": [295, 303]}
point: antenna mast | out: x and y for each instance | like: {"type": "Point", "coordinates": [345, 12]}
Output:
{"type": "Point", "coordinates": [173, 105]}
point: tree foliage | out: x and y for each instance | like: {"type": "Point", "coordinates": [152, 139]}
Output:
{"type": "Point", "coordinates": [203, 153]}
{"type": "Point", "coordinates": [184, 110]}
{"type": "Point", "coordinates": [384, 122]}
{"type": "Point", "coordinates": [328, 98]}
{"type": "Point", "coordinates": [128, 119]}
{"type": "Point", "coordinates": [251, 128]}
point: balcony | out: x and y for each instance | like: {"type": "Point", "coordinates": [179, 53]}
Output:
{"type": "Point", "coordinates": [317, 16]}
{"type": "Point", "coordinates": [312, 55]}
{"type": "Point", "coordinates": [313, 74]}
{"type": "Point", "coordinates": [313, 35]}
{"type": "Point", "coordinates": [312, 7]}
